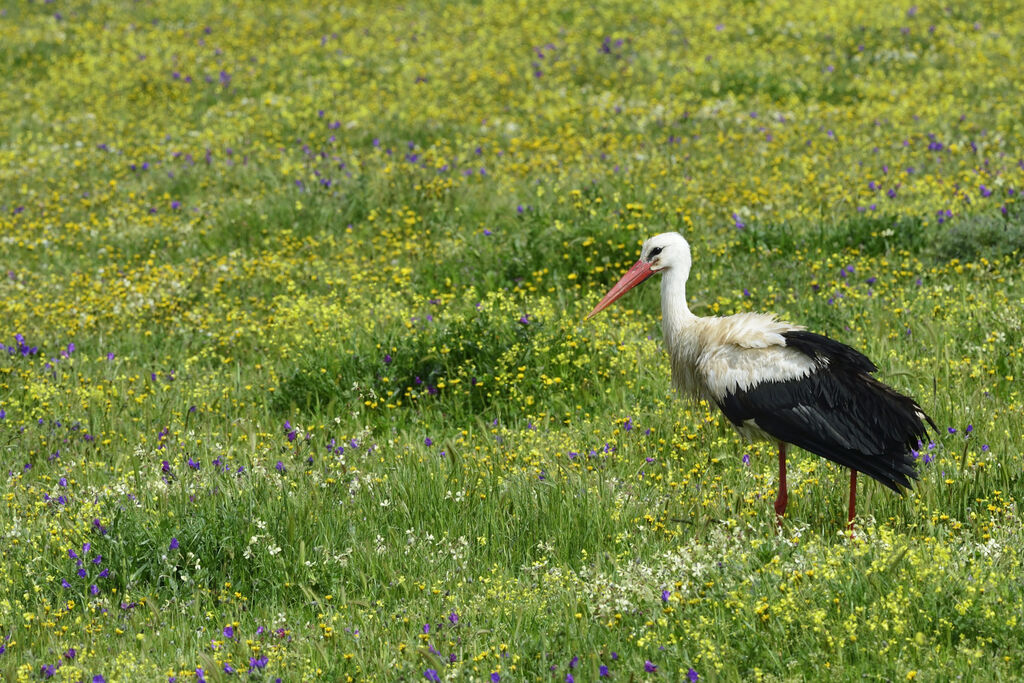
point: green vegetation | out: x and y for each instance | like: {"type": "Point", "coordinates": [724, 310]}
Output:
{"type": "Point", "coordinates": [295, 381]}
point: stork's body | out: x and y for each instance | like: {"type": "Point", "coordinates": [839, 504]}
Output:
{"type": "Point", "coordinates": [776, 381]}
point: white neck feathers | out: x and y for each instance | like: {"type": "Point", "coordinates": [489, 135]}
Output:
{"type": "Point", "coordinates": [675, 314]}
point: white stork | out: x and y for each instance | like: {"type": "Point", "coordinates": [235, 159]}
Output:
{"type": "Point", "coordinates": [776, 381]}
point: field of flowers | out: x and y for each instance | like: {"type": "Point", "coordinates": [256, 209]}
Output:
{"type": "Point", "coordinates": [294, 381]}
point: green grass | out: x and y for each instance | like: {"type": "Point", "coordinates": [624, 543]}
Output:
{"type": "Point", "coordinates": [332, 411]}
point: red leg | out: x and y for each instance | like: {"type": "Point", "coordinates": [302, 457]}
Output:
{"type": "Point", "coordinates": [853, 498]}
{"type": "Point", "coordinates": [783, 496]}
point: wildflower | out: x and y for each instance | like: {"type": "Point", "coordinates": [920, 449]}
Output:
{"type": "Point", "coordinates": [692, 676]}
{"type": "Point", "coordinates": [573, 662]}
{"type": "Point", "coordinates": [495, 677]}
{"type": "Point", "coordinates": [453, 618]}
{"type": "Point", "coordinates": [431, 675]}
{"type": "Point", "coordinates": [229, 632]}
{"type": "Point", "coordinates": [428, 442]}
{"type": "Point", "coordinates": [649, 666]}
{"type": "Point", "coordinates": [98, 678]}
{"type": "Point", "coordinates": [279, 466]}
{"type": "Point", "coordinates": [603, 671]}
{"type": "Point", "coordinates": [665, 595]}
{"type": "Point", "coordinates": [746, 459]}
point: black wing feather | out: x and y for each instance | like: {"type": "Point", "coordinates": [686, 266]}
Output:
{"type": "Point", "coordinates": [838, 411]}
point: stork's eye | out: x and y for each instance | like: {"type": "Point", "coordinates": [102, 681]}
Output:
{"type": "Point", "coordinates": [654, 252]}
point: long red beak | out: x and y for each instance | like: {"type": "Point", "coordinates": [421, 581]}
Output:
{"type": "Point", "coordinates": [640, 271]}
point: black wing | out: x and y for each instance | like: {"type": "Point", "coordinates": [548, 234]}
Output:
{"type": "Point", "coordinates": [838, 411]}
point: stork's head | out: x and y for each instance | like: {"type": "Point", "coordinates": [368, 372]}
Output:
{"type": "Point", "coordinates": [668, 251]}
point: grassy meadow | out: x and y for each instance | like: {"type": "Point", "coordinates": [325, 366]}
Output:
{"type": "Point", "coordinates": [294, 378]}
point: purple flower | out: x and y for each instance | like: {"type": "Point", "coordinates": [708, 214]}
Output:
{"type": "Point", "coordinates": [94, 589]}
{"type": "Point", "coordinates": [952, 430]}
{"type": "Point", "coordinates": [70, 654]}
{"type": "Point", "coordinates": [603, 671]}
{"type": "Point", "coordinates": [664, 595]}
{"type": "Point", "coordinates": [495, 677]}
{"type": "Point", "coordinates": [431, 675]}
{"type": "Point", "coordinates": [453, 618]}
{"type": "Point", "coordinates": [194, 464]}
{"type": "Point", "coordinates": [746, 458]}
{"type": "Point", "coordinates": [970, 428]}
{"type": "Point", "coordinates": [228, 669]}
{"type": "Point", "coordinates": [569, 678]}
{"type": "Point", "coordinates": [691, 675]}
{"type": "Point", "coordinates": [649, 666]}
{"type": "Point", "coordinates": [229, 632]}
{"type": "Point", "coordinates": [279, 466]}
{"type": "Point", "coordinates": [387, 359]}
{"type": "Point", "coordinates": [98, 678]}
{"type": "Point", "coordinates": [574, 662]}
{"type": "Point", "coordinates": [984, 448]}
{"type": "Point", "coordinates": [428, 442]}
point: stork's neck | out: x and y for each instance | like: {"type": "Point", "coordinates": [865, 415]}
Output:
{"type": "Point", "coordinates": [675, 314]}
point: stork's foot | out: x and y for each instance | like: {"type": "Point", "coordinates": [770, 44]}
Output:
{"type": "Point", "coordinates": [780, 506]}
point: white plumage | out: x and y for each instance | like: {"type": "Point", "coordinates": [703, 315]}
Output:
{"type": "Point", "coordinates": [775, 380]}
